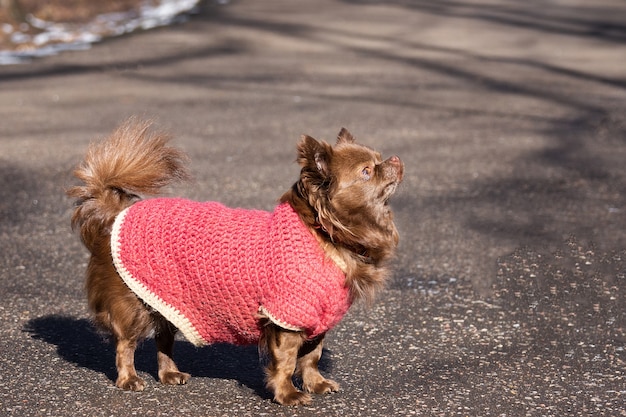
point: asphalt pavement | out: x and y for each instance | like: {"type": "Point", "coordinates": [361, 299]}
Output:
{"type": "Point", "coordinates": [508, 296]}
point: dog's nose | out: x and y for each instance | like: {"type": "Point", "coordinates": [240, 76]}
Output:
{"type": "Point", "coordinates": [396, 162]}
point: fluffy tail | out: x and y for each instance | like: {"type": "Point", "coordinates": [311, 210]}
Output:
{"type": "Point", "coordinates": [133, 160]}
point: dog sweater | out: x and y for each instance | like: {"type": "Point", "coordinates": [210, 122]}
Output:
{"type": "Point", "coordinates": [214, 271]}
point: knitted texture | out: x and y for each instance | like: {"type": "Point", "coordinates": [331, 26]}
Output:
{"type": "Point", "coordinates": [214, 271]}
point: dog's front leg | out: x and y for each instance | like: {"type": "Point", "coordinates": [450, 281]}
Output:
{"type": "Point", "coordinates": [307, 367]}
{"type": "Point", "coordinates": [168, 371]}
{"type": "Point", "coordinates": [283, 347]}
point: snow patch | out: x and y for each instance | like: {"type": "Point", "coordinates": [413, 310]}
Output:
{"type": "Point", "coordinates": [59, 37]}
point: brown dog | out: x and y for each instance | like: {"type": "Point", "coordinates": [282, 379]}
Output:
{"type": "Point", "coordinates": [340, 203]}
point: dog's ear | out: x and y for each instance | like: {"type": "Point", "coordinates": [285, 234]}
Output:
{"type": "Point", "coordinates": [314, 155]}
{"type": "Point", "coordinates": [345, 137]}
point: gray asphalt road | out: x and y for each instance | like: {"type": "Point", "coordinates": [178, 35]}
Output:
{"type": "Point", "coordinates": [508, 292]}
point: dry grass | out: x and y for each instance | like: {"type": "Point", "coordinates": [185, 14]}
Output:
{"type": "Point", "coordinates": [66, 11]}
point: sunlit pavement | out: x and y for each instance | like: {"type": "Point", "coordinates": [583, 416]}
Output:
{"type": "Point", "coordinates": [507, 297]}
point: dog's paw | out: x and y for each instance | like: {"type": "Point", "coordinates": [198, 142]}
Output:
{"type": "Point", "coordinates": [174, 378]}
{"type": "Point", "coordinates": [324, 386]}
{"type": "Point", "coordinates": [293, 398]}
{"type": "Point", "coordinates": [131, 383]}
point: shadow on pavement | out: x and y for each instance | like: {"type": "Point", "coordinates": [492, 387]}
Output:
{"type": "Point", "coordinates": [19, 189]}
{"type": "Point", "coordinates": [567, 20]}
{"type": "Point", "coordinates": [78, 342]}
{"type": "Point", "coordinates": [579, 171]}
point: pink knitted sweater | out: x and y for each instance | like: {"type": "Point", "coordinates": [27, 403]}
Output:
{"type": "Point", "coordinates": [214, 271]}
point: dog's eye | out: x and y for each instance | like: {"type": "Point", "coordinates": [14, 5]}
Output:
{"type": "Point", "coordinates": [366, 173]}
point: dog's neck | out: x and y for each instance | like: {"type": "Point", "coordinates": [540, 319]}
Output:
{"type": "Point", "coordinates": [311, 218]}
{"type": "Point", "coordinates": [359, 252]}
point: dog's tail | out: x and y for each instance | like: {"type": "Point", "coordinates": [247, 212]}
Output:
{"type": "Point", "coordinates": [134, 160]}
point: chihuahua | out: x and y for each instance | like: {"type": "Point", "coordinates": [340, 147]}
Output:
{"type": "Point", "coordinates": [281, 279]}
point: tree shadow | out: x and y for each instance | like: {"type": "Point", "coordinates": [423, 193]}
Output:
{"type": "Point", "coordinates": [556, 20]}
{"type": "Point", "coordinates": [591, 23]}
{"type": "Point", "coordinates": [18, 189]}
{"type": "Point", "coordinates": [559, 19]}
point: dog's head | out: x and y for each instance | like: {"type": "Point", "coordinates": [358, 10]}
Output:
{"type": "Point", "coordinates": [348, 187]}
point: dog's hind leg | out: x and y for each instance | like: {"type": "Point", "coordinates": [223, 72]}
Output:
{"type": "Point", "coordinates": [128, 330]}
{"type": "Point", "coordinates": [164, 337]}
{"type": "Point", "coordinates": [127, 377]}
{"type": "Point", "coordinates": [307, 368]}
{"type": "Point", "coordinates": [118, 310]}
